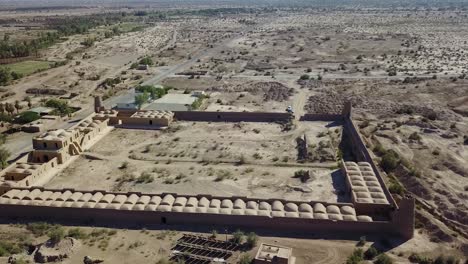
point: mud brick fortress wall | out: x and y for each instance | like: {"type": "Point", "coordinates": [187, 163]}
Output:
{"type": "Point", "coordinates": [231, 116]}
{"type": "Point", "coordinates": [155, 209]}
{"type": "Point", "coordinates": [372, 208]}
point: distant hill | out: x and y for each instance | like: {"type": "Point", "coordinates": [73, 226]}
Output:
{"type": "Point", "coordinates": [47, 4]}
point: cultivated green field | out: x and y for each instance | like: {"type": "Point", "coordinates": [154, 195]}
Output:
{"type": "Point", "coordinates": [28, 67]}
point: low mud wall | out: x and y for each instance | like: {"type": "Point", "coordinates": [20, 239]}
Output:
{"type": "Point", "coordinates": [138, 121]}
{"type": "Point", "coordinates": [321, 117]}
{"type": "Point", "coordinates": [241, 116]}
{"type": "Point", "coordinates": [231, 116]}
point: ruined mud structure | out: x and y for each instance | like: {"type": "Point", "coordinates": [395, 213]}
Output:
{"type": "Point", "coordinates": [372, 208]}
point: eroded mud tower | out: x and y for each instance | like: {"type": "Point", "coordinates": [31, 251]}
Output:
{"type": "Point", "coordinates": [98, 107]}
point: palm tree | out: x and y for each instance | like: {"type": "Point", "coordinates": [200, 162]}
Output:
{"type": "Point", "coordinates": [17, 106]}
{"type": "Point", "coordinates": [10, 108]}
{"type": "Point", "coordinates": [28, 99]}
{"type": "Point", "coordinates": [4, 156]}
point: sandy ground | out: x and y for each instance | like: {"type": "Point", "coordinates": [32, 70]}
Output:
{"type": "Point", "coordinates": [155, 243]}
{"type": "Point", "coordinates": [202, 158]}
{"type": "Point", "coordinates": [148, 246]}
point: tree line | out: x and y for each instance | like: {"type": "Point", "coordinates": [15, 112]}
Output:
{"type": "Point", "coordinates": [10, 112]}
{"type": "Point", "coordinates": [59, 28]}
{"type": "Point", "coordinates": [10, 49]}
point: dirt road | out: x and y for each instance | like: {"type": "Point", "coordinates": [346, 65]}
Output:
{"type": "Point", "coordinates": [186, 64]}
{"type": "Point", "coordinates": [299, 102]}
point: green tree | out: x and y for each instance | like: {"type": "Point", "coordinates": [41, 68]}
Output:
{"type": "Point", "coordinates": [8, 248]}
{"type": "Point", "coordinates": [197, 103]}
{"type": "Point", "coordinates": [5, 76]}
{"type": "Point", "coordinates": [2, 108]}
{"type": "Point", "coordinates": [383, 259]}
{"type": "Point", "coordinates": [371, 253]}
{"type": "Point", "coordinates": [305, 77]}
{"type": "Point", "coordinates": [155, 92]}
{"type": "Point", "coordinates": [356, 257]}
{"type": "Point", "coordinates": [390, 160]}
{"type": "Point", "coordinates": [251, 240]}
{"type": "Point", "coordinates": [147, 61]}
{"type": "Point", "coordinates": [141, 99]}
{"type": "Point", "coordinates": [238, 236]}
{"type": "Point", "coordinates": [56, 234]}
{"type": "Point", "coordinates": [396, 188]}
{"type": "Point", "coordinates": [245, 259]}
{"type": "Point", "coordinates": [16, 76]}
{"type": "Point", "coordinates": [4, 156]}
{"type": "Point", "coordinates": [60, 106]}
